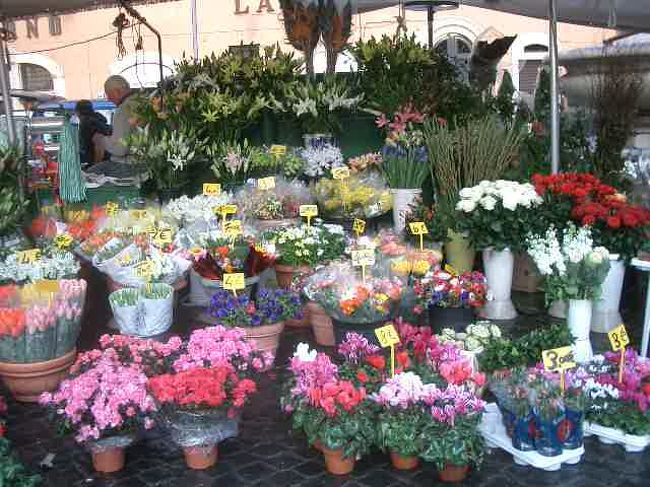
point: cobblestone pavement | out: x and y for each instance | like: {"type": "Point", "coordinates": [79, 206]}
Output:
{"type": "Point", "coordinates": [267, 454]}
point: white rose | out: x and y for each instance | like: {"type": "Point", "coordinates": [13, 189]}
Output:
{"type": "Point", "coordinates": [510, 201]}
{"type": "Point", "coordinates": [488, 202]}
{"type": "Point", "coordinates": [466, 205]}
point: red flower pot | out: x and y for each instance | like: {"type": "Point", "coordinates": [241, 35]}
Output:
{"type": "Point", "coordinates": [201, 457]}
{"type": "Point", "coordinates": [453, 473]}
{"type": "Point", "coordinates": [404, 463]}
{"type": "Point", "coordinates": [336, 464]}
{"type": "Point", "coordinates": [109, 460]}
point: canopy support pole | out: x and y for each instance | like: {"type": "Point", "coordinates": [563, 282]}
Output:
{"type": "Point", "coordinates": [195, 29]}
{"type": "Point", "coordinates": [6, 88]}
{"type": "Point", "coordinates": [555, 94]}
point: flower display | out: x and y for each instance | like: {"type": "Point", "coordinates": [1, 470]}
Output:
{"type": "Point", "coordinates": [270, 306]}
{"type": "Point", "coordinates": [365, 162]}
{"type": "Point", "coordinates": [359, 196]}
{"type": "Point", "coordinates": [53, 264]}
{"type": "Point", "coordinates": [497, 214]}
{"type": "Point", "coordinates": [445, 290]}
{"type": "Point", "coordinates": [280, 202]}
{"type": "Point", "coordinates": [307, 245]}
{"type": "Point", "coordinates": [198, 208]}
{"type": "Point", "coordinates": [475, 337]}
{"type": "Point", "coordinates": [320, 160]}
{"type": "Point", "coordinates": [572, 269]}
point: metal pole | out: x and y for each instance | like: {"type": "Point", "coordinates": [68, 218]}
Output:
{"type": "Point", "coordinates": [6, 91]}
{"type": "Point", "coordinates": [430, 25]}
{"type": "Point", "coordinates": [555, 94]}
{"type": "Point", "coordinates": [195, 29]}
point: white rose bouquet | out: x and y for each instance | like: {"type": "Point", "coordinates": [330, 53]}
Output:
{"type": "Point", "coordinates": [497, 214]}
{"type": "Point", "coordinates": [572, 268]}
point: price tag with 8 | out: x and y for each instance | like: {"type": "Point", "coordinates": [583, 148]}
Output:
{"type": "Point", "coordinates": [618, 338]}
{"type": "Point", "coordinates": [558, 359]}
{"type": "Point", "coordinates": [387, 335]}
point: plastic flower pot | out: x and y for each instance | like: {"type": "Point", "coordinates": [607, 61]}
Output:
{"type": "Point", "coordinates": [547, 436]}
{"type": "Point", "coordinates": [523, 434]}
{"type": "Point", "coordinates": [158, 313]}
{"type": "Point", "coordinates": [201, 457]}
{"type": "Point", "coordinates": [284, 274]}
{"type": "Point", "coordinates": [126, 317]}
{"type": "Point", "coordinates": [499, 268]}
{"type": "Point", "coordinates": [456, 318]}
{"type": "Point", "coordinates": [453, 473]}
{"type": "Point", "coordinates": [402, 201]}
{"type": "Point", "coordinates": [321, 324]}
{"type": "Point", "coordinates": [28, 381]}
{"type": "Point", "coordinates": [579, 321]}
{"type": "Point", "coordinates": [404, 463]}
{"type": "Point", "coordinates": [458, 252]}
{"type": "Point", "coordinates": [572, 428]}
{"type": "Point", "coordinates": [266, 338]}
{"type": "Point", "coordinates": [336, 463]}
{"type": "Point", "coordinates": [606, 313]}
{"type": "Point", "coordinates": [110, 460]}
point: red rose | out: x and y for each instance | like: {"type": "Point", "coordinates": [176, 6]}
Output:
{"type": "Point", "coordinates": [614, 222]}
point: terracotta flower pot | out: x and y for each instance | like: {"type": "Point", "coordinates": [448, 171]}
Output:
{"type": "Point", "coordinates": [109, 460]}
{"type": "Point", "coordinates": [299, 323]}
{"type": "Point", "coordinates": [317, 445]}
{"type": "Point", "coordinates": [403, 463]}
{"type": "Point", "coordinates": [453, 473]}
{"type": "Point", "coordinates": [201, 457]}
{"type": "Point", "coordinates": [284, 274]}
{"type": "Point", "coordinates": [336, 464]}
{"type": "Point", "coordinates": [321, 324]}
{"type": "Point", "coordinates": [266, 338]}
{"type": "Point", "coordinates": [27, 381]}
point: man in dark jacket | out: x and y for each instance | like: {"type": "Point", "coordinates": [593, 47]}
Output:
{"type": "Point", "coordinates": [90, 123]}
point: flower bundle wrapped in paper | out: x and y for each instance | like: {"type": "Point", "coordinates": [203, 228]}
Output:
{"type": "Point", "coordinates": [358, 196]}
{"type": "Point", "coordinates": [50, 264]}
{"type": "Point", "coordinates": [40, 321]}
{"type": "Point", "coordinates": [186, 210]}
{"type": "Point", "coordinates": [307, 245]}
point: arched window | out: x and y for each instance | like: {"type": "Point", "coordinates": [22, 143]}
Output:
{"type": "Point", "coordinates": [458, 50]}
{"type": "Point", "coordinates": [529, 66]}
{"type": "Point", "coordinates": [35, 77]}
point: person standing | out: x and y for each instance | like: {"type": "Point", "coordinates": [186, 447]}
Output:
{"type": "Point", "coordinates": [90, 123]}
{"type": "Point", "coordinates": [118, 91]}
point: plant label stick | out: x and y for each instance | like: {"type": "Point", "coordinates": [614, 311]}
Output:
{"type": "Point", "coordinates": [419, 228]}
{"type": "Point", "coordinates": [559, 360]}
{"type": "Point", "coordinates": [619, 340]}
{"type": "Point", "coordinates": [308, 211]}
{"type": "Point", "coordinates": [388, 337]}
{"type": "Point", "coordinates": [234, 282]}
{"type": "Point", "coordinates": [363, 258]}
{"type": "Point", "coordinates": [211, 189]}
{"type": "Point", "coordinates": [359, 226]}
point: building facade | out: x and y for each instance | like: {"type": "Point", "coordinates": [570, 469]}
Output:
{"type": "Point", "coordinates": [71, 55]}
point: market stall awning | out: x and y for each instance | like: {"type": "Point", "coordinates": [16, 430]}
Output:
{"type": "Point", "coordinates": [27, 8]}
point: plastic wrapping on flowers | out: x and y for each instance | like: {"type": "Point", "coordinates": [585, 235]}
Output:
{"type": "Point", "coordinates": [346, 296]}
{"type": "Point", "coordinates": [280, 202]}
{"type": "Point", "coordinates": [445, 290]}
{"type": "Point", "coordinates": [359, 196]}
{"type": "Point", "coordinates": [307, 245]}
{"type": "Point", "coordinates": [40, 321]}
{"type": "Point", "coordinates": [51, 264]}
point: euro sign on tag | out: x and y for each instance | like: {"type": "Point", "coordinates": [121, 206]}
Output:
{"type": "Point", "coordinates": [233, 228]}
{"type": "Point", "coordinates": [618, 338]}
{"type": "Point", "coordinates": [163, 237]}
{"type": "Point", "coordinates": [387, 335]}
{"type": "Point", "coordinates": [234, 282]}
{"type": "Point", "coordinates": [111, 208]}
{"type": "Point", "coordinates": [211, 189]}
{"type": "Point", "coordinates": [308, 210]}
{"type": "Point", "coordinates": [358, 226]}
{"type": "Point", "coordinates": [340, 173]}
{"type": "Point", "coordinates": [558, 359]}
{"type": "Point", "coordinates": [266, 183]}
{"type": "Point", "coordinates": [28, 256]}
{"type": "Point", "coordinates": [63, 241]}
{"type": "Point", "coordinates": [418, 228]}
{"type": "Point", "coordinates": [365, 257]}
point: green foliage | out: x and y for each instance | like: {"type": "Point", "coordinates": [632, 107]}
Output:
{"type": "Point", "coordinates": [12, 472]}
{"type": "Point", "coordinates": [525, 351]}
{"type": "Point", "coordinates": [12, 207]}
{"type": "Point", "coordinates": [621, 415]}
{"type": "Point", "coordinates": [400, 431]}
{"type": "Point", "coordinates": [460, 444]}
{"type": "Point", "coordinates": [504, 102]}
{"type": "Point", "coordinates": [542, 104]}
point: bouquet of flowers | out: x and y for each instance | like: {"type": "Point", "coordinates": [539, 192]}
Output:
{"type": "Point", "coordinates": [318, 161]}
{"type": "Point", "coordinates": [53, 264]}
{"type": "Point", "coordinates": [573, 268]}
{"type": "Point", "coordinates": [224, 254]}
{"type": "Point", "coordinates": [268, 162]}
{"type": "Point", "coordinates": [281, 202]}
{"type": "Point", "coordinates": [307, 245]}
{"type": "Point", "coordinates": [40, 321]}
{"type": "Point", "coordinates": [497, 214]}
{"type": "Point", "coordinates": [366, 162]}
{"type": "Point", "coordinates": [232, 162]}
{"type": "Point", "coordinates": [359, 196]}
{"type": "Point", "coordinates": [347, 298]}
{"type": "Point", "coordinates": [475, 337]}
{"type": "Point", "coordinates": [616, 224]}
{"type": "Point", "coordinates": [199, 208]}
{"type": "Point", "coordinates": [269, 307]}
{"type": "Point", "coordinates": [443, 289]}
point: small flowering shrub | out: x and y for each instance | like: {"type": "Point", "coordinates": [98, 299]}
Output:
{"type": "Point", "coordinates": [308, 245]}
{"type": "Point", "coordinates": [270, 306]}
{"type": "Point", "coordinates": [442, 289]}
{"type": "Point", "coordinates": [475, 337]}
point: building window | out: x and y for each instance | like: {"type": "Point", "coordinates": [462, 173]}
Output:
{"type": "Point", "coordinates": [55, 25]}
{"type": "Point", "coordinates": [458, 49]}
{"type": "Point", "coordinates": [35, 77]}
{"type": "Point", "coordinates": [246, 51]}
{"type": "Point", "coordinates": [535, 48]}
{"type": "Point", "coordinates": [529, 65]}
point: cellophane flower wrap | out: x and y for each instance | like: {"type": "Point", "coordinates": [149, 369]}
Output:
{"type": "Point", "coordinates": [270, 306]}
{"type": "Point", "coordinates": [616, 224]}
{"type": "Point", "coordinates": [325, 407]}
{"type": "Point", "coordinates": [307, 245]}
{"type": "Point", "coordinates": [318, 161]}
{"type": "Point", "coordinates": [347, 297]}
{"type": "Point", "coordinates": [53, 264]}
{"type": "Point", "coordinates": [444, 289]}
{"type": "Point", "coordinates": [37, 323]}
{"type": "Point", "coordinates": [283, 201]}
{"type": "Point", "coordinates": [572, 266]}
{"type": "Point", "coordinates": [359, 196]}
{"type": "Point", "coordinates": [498, 214]}
{"type": "Point", "coordinates": [188, 210]}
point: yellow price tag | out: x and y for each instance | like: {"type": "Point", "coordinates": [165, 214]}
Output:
{"type": "Point", "coordinates": [138, 214]}
{"type": "Point", "coordinates": [278, 150]}
{"type": "Point", "coordinates": [340, 173]}
{"type": "Point", "coordinates": [363, 257]}
{"type": "Point", "coordinates": [387, 335]}
{"type": "Point", "coordinates": [77, 215]}
{"type": "Point", "coordinates": [63, 241]}
{"type": "Point", "coordinates": [618, 338]}
{"type": "Point", "coordinates": [111, 208]}
{"type": "Point", "coordinates": [418, 228]}
{"type": "Point", "coordinates": [358, 226]}
{"type": "Point", "coordinates": [144, 268]}
{"type": "Point", "coordinates": [150, 230]}
{"type": "Point", "coordinates": [558, 359]}
{"type": "Point", "coordinates": [234, 282]}
{"type": "Point", "coordinates": [450, 270]}
{"type": "Point", "coordinates": [308, 210]}
{"type": "Point", "coordinates": [28, 256]}
{"type": "Point", "coordinates": [266, 183]}
{"type": "Point", "coordinates": [224, 210]}
{"type": "Point", "coordinates": [211, 189]}
{"type": "Point", "coordinates": [47, 286]}
{"type": "Point", "coordinates": [233, 228]}
{"type": "Point", "coordinates": [163, 237]}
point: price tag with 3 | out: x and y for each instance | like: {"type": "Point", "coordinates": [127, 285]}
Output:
{"type": "Point", "coordinates": [234, 282]}
{"type": "Point", "coordinates": [558, 359]}
{"type": "Point", "coordinates": [28, 256]}
{"type": "Point", "coordinates": [363, 257]}
{"type": "Point", "coordinates": [211, 189]}
{"type": "Point", "coordinates": [618, 338]}
{"type": "Point", "coordinates": [387, 335]}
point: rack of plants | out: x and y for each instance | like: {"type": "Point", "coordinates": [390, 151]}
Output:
{"type": "Point", "coordinates": [613, 436]}
{"type": "Point", "coordinates": [495, 436]}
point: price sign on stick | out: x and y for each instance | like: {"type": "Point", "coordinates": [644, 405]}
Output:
{"type": "Point", "coordinates": [234, 282]}
{"type": "Point", "coordinates": [233, 228]}
{"type": "Point", "coordinates": [619, 339]}
{"type": "Point", "coordinates": [224, 211]}
{"type": "Point", "coordinates": [266, 183]}
{"type": "Point", "coordinates": [419, 229]}
{"type": "Point", "coordinates": [47, 286]}
{"type": "Point", "coordinates": [63, 241]}
{"type": "Point", "coordinates": [162, 237]}
{"type": "Point", "coordinates": [309, 212]}
{"type": "Point", "coordinates": [138, 214]}
{"type": "Point", "coordinates": [211, 189]}
{"type": "Point", "coordinates": [144, 269]}
{"type": "Point", "coordinates": [111, 208]}
{"type": "Point", "coordinates": [363, 258]}
{"type": "Point", "coordinates": [388, 337]}
{"type": "Point", "coordinates": [559, 360]}
{"type": "Point", "coordinates": [359, 226]}
{"type": "Point", "coordinates": [28, 256]}
{"type": "Point", "coordinates": [340, 173]}
{"type": "Point", "coordinates": [278, 150]}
